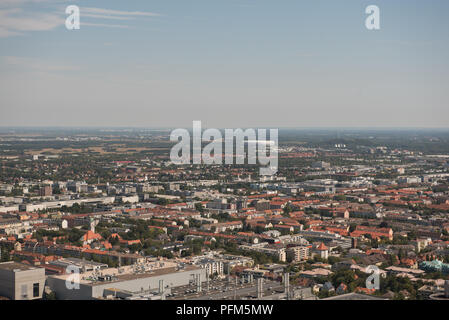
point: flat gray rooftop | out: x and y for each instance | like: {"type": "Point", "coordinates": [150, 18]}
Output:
{"type": "Point", "coordinates": [13, 266]}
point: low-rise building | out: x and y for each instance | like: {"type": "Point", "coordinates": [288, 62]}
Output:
{"type": "Point", "coordinates": [20, 281]}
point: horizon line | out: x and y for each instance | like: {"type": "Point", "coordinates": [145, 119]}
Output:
{"type": "Point", "coordinates": [257, 127]}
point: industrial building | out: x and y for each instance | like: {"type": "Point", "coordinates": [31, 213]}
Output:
{"type": "Point", "coordinates": [125, 281]}
{"type": "Point", "coordinates": [21, 281]}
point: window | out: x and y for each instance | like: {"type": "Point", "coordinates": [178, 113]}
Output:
{"type": "Point", "coordinates": [36, 290]}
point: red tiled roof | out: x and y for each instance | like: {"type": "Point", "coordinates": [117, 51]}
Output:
{"type": "Point", "coordinates": [322, 247]}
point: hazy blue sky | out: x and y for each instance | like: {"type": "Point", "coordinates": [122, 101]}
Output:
{"type": "Point", "coordinates": [228, 63]}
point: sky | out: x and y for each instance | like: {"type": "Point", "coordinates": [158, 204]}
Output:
{"type": "Point", "coordinates": [227, 63]}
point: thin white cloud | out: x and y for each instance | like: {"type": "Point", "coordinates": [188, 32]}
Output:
{"type": "Point", "coordinates": [101, 13]}
{"type": "Point", "coordinates": [89, 24]}
{"type": "Point", "coordinates": [4, 33]}
{"type": "Point", "coordinates": [118, 12]}
{"type": "Point", "coordinates": [19, 3]}
{"type": "Point", "coordinates": [15, 22]}
{"type": "Point", "coordinates": [101, 16]}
